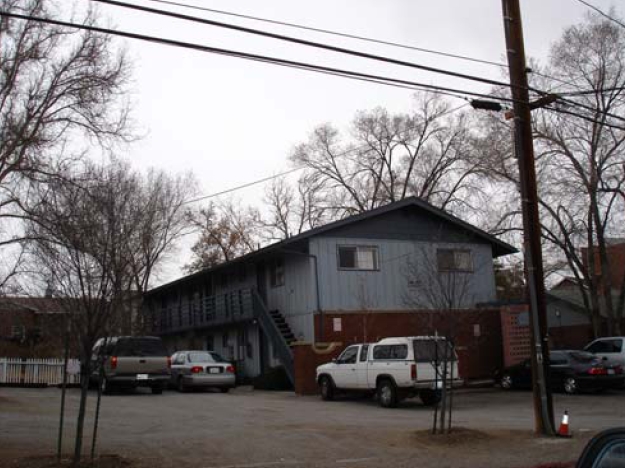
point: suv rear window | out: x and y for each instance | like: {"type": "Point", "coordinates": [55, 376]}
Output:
{"type": "Point", "coordinates": [432, 350]}
{"type": "Point", "coordinates": [140, 347]}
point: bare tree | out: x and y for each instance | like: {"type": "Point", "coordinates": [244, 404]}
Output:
{"type": "Point", "coordinates": [161, 219]}
{"type": "Point", "coordinates": [440, 285]}
{"type": "Point", "coordinates": [79, 232]}
{"type": "Point", "coordinates": [227, 230]}
{"type": "Point", "coordinates": [388, 157]}
{"type": "Point", "coordinates": [581, 164]}
{"type": "Point", "coordinates": [293, 210]}
{"type": "Point", "coordinates": [98, 235]}
{"type": "Point", "coordinates": [56, 85]}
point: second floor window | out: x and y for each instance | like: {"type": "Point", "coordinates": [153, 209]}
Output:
{"type": "Point", "coordinates": [358, 257]}
{"type": "Point", "coordinates": [454, 260]}
{"type": "Point", "coordinates": [276, 273]}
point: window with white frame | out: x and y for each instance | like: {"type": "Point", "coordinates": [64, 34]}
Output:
{"type": "Point", "coordinates": [454, 260]}
{"type": "Point", "coordinates": [358, 257]}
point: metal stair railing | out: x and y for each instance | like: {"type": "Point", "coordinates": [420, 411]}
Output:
{"type": "Point", "coordinates": [271, 330]}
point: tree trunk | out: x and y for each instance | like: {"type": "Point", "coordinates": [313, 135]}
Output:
{"type": "Point", "coordinates": [80, 423]}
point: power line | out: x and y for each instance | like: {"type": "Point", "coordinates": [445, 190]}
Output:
{"type": "Point", "coordinates": [308, 43]}
{"type": "Point", "coordinates": [592, 91]}
{"type": "Point", "coordinates": [333, 33]}
{"type": "Point", "coordinates": [334, 49]}
{"type": "Point", "coordinates": [591, 109]}
{"type": "Point", "coordinates": [352, 36]}
{"type": "Point", "coordinates": [258, 58]}
{"type": "Point", "coordinates": [602, 13]}
{"type": "Point", "coordinates": [290, 171]}
{"type": "Point", "coordinates": [583, 117]}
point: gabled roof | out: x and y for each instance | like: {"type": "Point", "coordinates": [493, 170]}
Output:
{"type": "Point", "coordinates": [38, 305]}
{"type": "Point", "coordinates": [499, 247]}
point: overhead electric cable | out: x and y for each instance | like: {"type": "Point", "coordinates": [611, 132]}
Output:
{"type": "Point", "coordinates": [592, 91]}
{"type": "Point", "coordinates": [256, 57]}
{"type": "Point", "coordinates": [583, 117]}
{"type": "Point", "coordinates": [330, 32]}
{"type": "Point", "coordinates": [350, 36]}
{"type": "Point", "coordinates": [590, 108]}
{"type": "Point", "coordinates": [308, 43]}
{"type": "Point", "coordinates": [602, 13]}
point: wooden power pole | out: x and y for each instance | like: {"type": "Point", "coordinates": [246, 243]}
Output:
{"type": "Point", "coordinates": [524, 146]}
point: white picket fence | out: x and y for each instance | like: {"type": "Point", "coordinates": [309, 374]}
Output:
{"type": "Point", "coordinates": [36, 371]}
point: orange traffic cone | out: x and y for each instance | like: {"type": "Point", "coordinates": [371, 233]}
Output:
{"type": "Point", "coordinates": [563, 431]}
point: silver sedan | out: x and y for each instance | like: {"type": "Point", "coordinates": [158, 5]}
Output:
{"type": "Point", "coordinates": [201, 369]}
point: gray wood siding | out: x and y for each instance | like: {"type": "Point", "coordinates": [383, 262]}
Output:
{"type": "Point", "coordinates": [386, 289]}
{"type": "Point", "coordinates": [296, 299]}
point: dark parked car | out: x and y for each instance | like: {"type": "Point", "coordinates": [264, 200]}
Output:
{"type": "Point", "coordinates": [571, 371]}
{"type": "Point", "coordinates": [130, 362]}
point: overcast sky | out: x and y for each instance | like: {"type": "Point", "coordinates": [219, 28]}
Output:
{"type": "Point", "coordinates": [231, 121]}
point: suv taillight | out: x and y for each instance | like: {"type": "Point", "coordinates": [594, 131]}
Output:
{"type": "Point", "coordinates": [230, 369]}
{"type": "Point", "coordinates": [196, 369]}
{"type": "Point", "coordinates": [169, 362]}
{"type": "Point", "coordinates": [113, 362]}
{"type": "Point", "coordinates": [413, 371]}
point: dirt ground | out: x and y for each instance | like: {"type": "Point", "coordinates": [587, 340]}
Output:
{"type": "Point", "coordinates": [253, 429]}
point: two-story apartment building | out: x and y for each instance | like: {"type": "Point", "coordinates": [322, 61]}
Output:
{"type": "Point", "coordinates": [253, 308]}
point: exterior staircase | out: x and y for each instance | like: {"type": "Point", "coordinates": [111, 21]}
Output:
{"type": "Point", "coordinates": [278, 332]}
{"type": "Point", "coordinates": [283, 326]}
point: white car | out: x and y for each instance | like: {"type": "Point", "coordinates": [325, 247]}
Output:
{"type": "Point", "coordinates": [201, 369]}
{"type": "Point", "coordinates": [610, 349]}
{"type": "Point", "coordinates": [392, 368]}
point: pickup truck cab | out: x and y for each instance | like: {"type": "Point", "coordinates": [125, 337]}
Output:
{"type": "Point", "coordinates": [392, 368]}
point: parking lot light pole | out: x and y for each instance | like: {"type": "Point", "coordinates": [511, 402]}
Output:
{"type": "Point", "coordinates": [524, 148]}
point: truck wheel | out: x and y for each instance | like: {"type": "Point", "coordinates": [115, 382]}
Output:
{"type": "Point", "coordinates": [387, 394]}
{"type": "Point", "coordinates": [157, 389]}
{"type": "Point", "coordinates": [430, 397]}
{"type": "Point", "coordinates": [327, 388]}
{"type": "Point", "coordinates": [224, 389]}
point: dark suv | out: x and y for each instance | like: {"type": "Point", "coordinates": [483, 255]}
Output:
{"type": "Point", "coordinates": [130, 362]}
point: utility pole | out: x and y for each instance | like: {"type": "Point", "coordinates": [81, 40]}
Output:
{"type": "Point", "coordinates": [524, 146]}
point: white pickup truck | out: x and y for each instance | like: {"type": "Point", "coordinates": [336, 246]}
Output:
{"type": "Point", "coordinates": [392, 368]}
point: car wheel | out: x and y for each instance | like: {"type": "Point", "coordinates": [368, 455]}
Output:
{"type": "Point", "coordinates": [430, 397]}
{"type": "Point", "coordinates": [181, 386]}
{"type": "Point", "coordinates": [570, 385]}
{"type": "Point", "coordinates": [224, 389]}
{"type": "Point", "coordinates": [157, 389]}
{"type": "Point", "coordinates": [327, 388]}
{"type": "Point", "coordinates": [387, 394]}
{"type": "Point", "coordinates": [506, 382]}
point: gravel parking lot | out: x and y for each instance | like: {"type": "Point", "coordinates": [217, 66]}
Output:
{"type": "Point", "coordinates": [249, 429]}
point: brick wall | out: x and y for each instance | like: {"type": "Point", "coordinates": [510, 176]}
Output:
{"type": "Point", "coordinates": [517, 339]}
{"type": "Point", "coordinates": [306, 358]}
{"type": "Point", "coordinates": [616, 254]}
{"type": "Point", "coordinates": [515, 334]}
{"type": "Point", "coordinates": [477, 332]}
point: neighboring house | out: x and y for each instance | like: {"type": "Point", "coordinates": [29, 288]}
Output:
{"type": "Point", "coordinates": [253, 308]}
{"type": "Point", "coordinates": [615, 250]}
{"type": "Point", "coordinates": [31, 327]}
